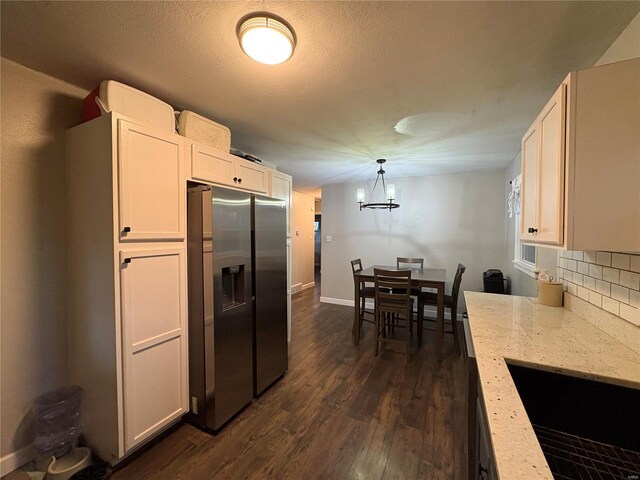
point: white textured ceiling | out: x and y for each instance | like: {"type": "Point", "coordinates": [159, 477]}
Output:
{"type": "Point", "coordinates": [435, 87]}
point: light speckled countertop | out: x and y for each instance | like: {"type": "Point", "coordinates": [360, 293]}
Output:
{"type": "Point", "coordinates": [517, 330]}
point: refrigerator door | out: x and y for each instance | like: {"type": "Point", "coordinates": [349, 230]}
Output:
{"type": "Point", "coordinates": [233, 309]}
{"type": "Point", "coordinates": [270, 282]}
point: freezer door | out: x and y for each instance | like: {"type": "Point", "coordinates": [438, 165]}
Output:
{"type": "Point", "coordinates": [270, 284]}
{"type": "Point", "coordinates": [233, 309]}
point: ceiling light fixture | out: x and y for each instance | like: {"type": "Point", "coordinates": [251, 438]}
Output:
{"type": "Point", "coordinates": [388, 190]}
{"type": "Point", "coordinates": [266, 38]}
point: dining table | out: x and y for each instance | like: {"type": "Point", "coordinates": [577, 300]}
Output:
{"type": "Point", "coordinates": [433, 278]}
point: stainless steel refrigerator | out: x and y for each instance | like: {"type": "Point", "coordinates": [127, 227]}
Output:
{"type": "Point", "coordinates": [236, 293]}
{"type": "Point", "coordinates": [269, 219]}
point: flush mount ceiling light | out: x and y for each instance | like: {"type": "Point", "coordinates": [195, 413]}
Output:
{"type": "Point", "coordinates": [389, 192]}
{"type": "Point", "coordinates": [266, 38]}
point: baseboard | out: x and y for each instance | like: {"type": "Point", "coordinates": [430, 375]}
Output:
{"type": "Point", "coordinates": [15, 460]}
{"type": "Point", "coordinates": [308, 285]}
{"type": "Point", "coordinates": [296, 288]}
{"type": "Point", "coordinates": [337, 301]}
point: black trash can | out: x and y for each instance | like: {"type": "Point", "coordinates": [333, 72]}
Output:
{"type": "Point", "coordinates": [494, 282]}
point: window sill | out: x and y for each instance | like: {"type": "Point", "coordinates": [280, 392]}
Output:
{"type": "Point", "coordinates": [526, 268]}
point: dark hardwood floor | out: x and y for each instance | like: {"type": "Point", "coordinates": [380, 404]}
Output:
{"type": "Point", "coordinates": [339, 413]}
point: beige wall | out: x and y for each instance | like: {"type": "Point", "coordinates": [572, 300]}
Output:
{"type": "Point", "coordinates": [444, 219]}
{"type": "Point", "coordinates": [36, 110]}
{"type": "Point", "coordinates": [302, 246]}
{"type": "Point", "coordinates": [626, 46]}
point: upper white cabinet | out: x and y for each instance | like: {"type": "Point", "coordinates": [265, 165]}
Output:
{"type": "Point", "coordinates": [543, 148]}
{"type": "Point", "coordinates": [152, 184]}
{"type": "Point", "coordinates": [581, 163]}
{"type": "Point", "coordinates": [281, 188]}
{"type": "Point", "coordinates": [215, 166]}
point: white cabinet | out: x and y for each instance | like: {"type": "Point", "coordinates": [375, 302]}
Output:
{"type": "Point", "coordinates": [543, 174]}
{"type": "Point", "coordinates": [151, 181]}
{"type": "Point", "coordinates": [581, 163]}
{"type": "Point", "coordinates": [152, 286]}
{"type": "Point", "coordinates": [215, 166]}
{"type": "Point", "coordinates": [281, 188]}
{"type": "Point", "coordinates": [126, 293]}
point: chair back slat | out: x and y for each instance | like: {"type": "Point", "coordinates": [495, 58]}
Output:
{"type": "Point", "coordinates": [409, 262]}
{"type": "Point", "coordinates": [456, 283]}
{"type": "Point", "coordinates": [393, 288]}
{"type": "Point", "coordinates": [356, 265]}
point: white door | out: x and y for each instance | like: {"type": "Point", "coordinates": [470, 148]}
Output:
{"type": "Point", "coordinates": [152, 184]}
{"type": "Point", "coordinates": [252, 176]}
{"type": "Point", "coordinates": [529, 186]}
{"type": "Point", "coordinates": [551, 170]}
{"type": "Point", "coordinates": [213, 166]}
{"type": "Point", "coordinates": [154, 339]}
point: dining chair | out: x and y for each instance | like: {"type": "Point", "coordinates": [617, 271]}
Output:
{"type": "Point", "coordinates": [365, 292]}
{"type": "Point", "coordinates": [450, 302]}
{"type": "Point", "coordinates": [393, 301]}
{"type": "Point", "coordinates": [411, 262]}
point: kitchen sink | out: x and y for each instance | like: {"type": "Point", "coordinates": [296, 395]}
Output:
{"type": "Point", "coordinates": [587, 429]}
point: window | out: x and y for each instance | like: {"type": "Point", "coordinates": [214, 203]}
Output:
{"type": "Point", "coordinates": [524, 258]}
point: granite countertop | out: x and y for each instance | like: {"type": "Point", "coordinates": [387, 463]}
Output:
{"type": "Point", "coordinates": [517, 330]}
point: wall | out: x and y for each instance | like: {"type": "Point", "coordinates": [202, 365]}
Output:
{"type": "Point", "coordinates": [626, 46]}
{"type": "Point", "coordinates": [302, 246]}
{"type": "Point", "coordinates": [36, 110]}
{"type": "Point", "coordinates": [444, 219]}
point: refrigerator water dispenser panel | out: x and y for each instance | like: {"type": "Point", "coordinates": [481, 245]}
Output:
{"type": "Point", "coordinates": [233, 291]}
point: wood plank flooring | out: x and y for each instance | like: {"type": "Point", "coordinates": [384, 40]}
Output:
{"type": "Point", "coordinates": [339, 413]}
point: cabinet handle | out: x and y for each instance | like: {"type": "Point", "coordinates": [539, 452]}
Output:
{"type": "Point", "coordinates": [127, 260]}
{"type": "Point", "coordinates": [532, 230]}
{"type": "Point", "coordinates": [482, 472]}
{"type": "Point", "coordinates": [239, 180]}
{"type": "Point", "coordinates": [235, 179]}
{"type": "Point", "coordinates": [126, 229]}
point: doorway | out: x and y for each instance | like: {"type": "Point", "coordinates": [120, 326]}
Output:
{"type": "Point", "coordinates": [317, 246]}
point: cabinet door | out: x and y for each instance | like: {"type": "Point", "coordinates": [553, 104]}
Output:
{"type": "Point", "coordinates": [212, 165]}
{"type": "Point", "coordinates": [551, 170]}
{"type": "Point", "coordinates": [153, 315]}
{"type": "Point", "coordinates": [252, 176]}
{"type": "Point", "coordinates": [529, 185]}
{"type": "Point", "coordinates": [281, 189]}
{"type": "Point", "coordinates": [151, 182]}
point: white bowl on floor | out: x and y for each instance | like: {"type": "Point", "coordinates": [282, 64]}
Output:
{"type": "Point", "coordinates": [64, 467]}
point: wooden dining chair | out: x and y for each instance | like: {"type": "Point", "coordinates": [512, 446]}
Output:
{"type": "Point", "coordinates": [393, 301]}
{"type": "Point", "coordinates": [410, 263]}
{"type": "Point", "coordinates": [365, 292]}
{"type": "Point", "coordinates": [450, 302]}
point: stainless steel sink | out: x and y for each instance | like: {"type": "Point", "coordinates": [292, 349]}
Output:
{"type": "Point", "coordinates": [587, 429]}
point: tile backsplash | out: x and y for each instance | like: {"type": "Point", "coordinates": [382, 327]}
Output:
{"type": "Point", "coordinates": [608, 280]}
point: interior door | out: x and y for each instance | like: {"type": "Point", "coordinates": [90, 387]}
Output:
{"type": "Point", "coordinates": [152, 189]}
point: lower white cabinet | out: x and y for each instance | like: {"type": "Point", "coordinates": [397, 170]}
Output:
{"type": "Point", "coordinates": [152, 284]}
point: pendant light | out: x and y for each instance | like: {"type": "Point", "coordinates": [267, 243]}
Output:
{"type": "Point", "coordinates": [389, 192]}
{"type": "Point", "coordinates": [266, 38]}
